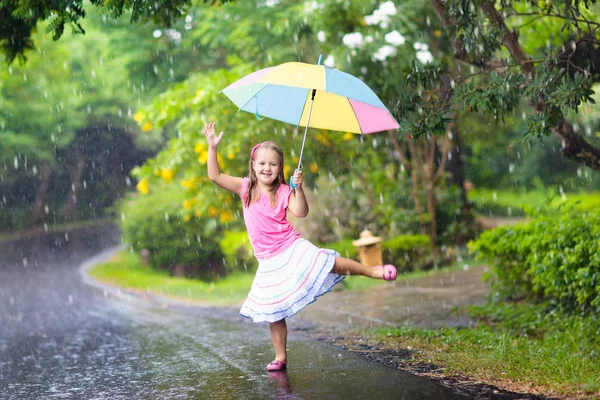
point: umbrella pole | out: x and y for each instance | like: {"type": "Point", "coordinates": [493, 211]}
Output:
{"type": "Point", "coordinates": [312, 100]}
{"type": "Point", "coordinates": [314, 92]}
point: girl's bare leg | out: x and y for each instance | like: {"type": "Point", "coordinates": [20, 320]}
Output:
{"type": "Point", "coordinates": [279, 339]}
{"type": "Point", "coordinates": [346, 266]}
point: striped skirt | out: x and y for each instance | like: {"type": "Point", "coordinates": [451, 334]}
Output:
{"type": "Point", "coordinates": [289, 281]}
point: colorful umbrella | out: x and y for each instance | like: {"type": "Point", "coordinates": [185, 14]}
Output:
{"type": "Point", "coordinates": [313, 96]}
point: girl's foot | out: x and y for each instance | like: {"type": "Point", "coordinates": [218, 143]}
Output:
{"type": "Point", "coordinates": [276, 365]}
{"type": "Point", "coordinates": [388, 272]}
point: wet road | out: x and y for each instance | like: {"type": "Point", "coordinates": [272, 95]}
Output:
{"type": "Point", "coordinates": [61, 338]}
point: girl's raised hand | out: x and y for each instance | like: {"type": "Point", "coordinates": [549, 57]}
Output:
{"type": "Point", "coordinates": [298, 179]}
{"type": "Point", "coordinates": [211, 137]}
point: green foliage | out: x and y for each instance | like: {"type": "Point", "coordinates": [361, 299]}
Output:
{"type": "Point", "coordinates": [554, 256]}
{"type": "Point", "coordinates": [155, 222]}
{"type": "Point", "coordinates": [238, 252]}
{"type": "Point", "coordinates": [344, 247]}
{"type": "Point", "coordinates": [18, 18]}
{"type": "Point", "coordinates": [408, 252]}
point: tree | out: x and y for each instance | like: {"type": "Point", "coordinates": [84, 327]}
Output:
{"type": "Point", "coordinates": [19, 18]}
{"type": "Point", "coordinates": [506, 63]}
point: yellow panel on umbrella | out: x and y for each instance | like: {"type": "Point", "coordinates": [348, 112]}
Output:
{"type": "Point", "coordinates": [330, 111]}
{"type": "Point", "coordinates": [297, 75]}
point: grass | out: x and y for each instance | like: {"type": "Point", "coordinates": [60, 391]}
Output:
{"type": "Point", "coordinates": [124, 270]}
{"type": "Point", "coordinates": [510, 203]}
{"type": "Point", "coordinates": [522, 347]}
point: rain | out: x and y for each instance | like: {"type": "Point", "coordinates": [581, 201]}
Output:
{"type": "Point", "coordinates": [465, 147]}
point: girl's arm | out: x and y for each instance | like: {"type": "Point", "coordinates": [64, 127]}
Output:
{"type": "Point", "coordinates": [297, 203]}
{"type": "Point", "coordinates": [227, 182]}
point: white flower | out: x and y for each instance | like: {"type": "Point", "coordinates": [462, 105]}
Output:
{"type": "Point", "coordinates": [157, 33]}
{"type": "Point", "coordinates": [388, 8]}
{"type": "Point", "coordinates": [395, 38]}
{"type": "Point", "coordinates": [353, 40]}
{"type": "Point", "coordinates": [329, 62]}
{"type": "Point", "coordinates": [381, 16]}
{"type": "Point", "coordinates": [321, 36]}
{"type": "Point", "coordinates": [369, 39]}
{"type": "Point", "coordinates": [420, 46]}
{"type": "Point", "coordinates": [424, 56]}
{"type": "Point", "coordinates": [385, 52]}
{"type": "Point", "coordinates": [363, 70]}
{"type": "Point", "coordinates": [271, 3]}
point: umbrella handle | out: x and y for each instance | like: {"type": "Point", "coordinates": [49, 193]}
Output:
{"type": "Point", "coordinates": [292, 184]}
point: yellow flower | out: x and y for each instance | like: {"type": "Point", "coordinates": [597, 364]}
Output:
{"type": "Point", "coordinates": [313, 167]}
{"type": "Point", "coordinates": [197, 213]}
{"type": "Point", "coordinates": [437, 33]}
{"type": "Point", "coordinates": [199, 148]}
{"type": "Point", "coordinates": [228, 199]}
{"type": "Point", "coordinates": [348, 136]}
{"type": "Point", "coordinates": [286, 170]}
{"type": "Point", "coordinates": [156, 172]}
{"type": "Point", "coordinates": [321, 138]}
{"type": "Point", "coordinates": [147, 126]}
{"type": "Point", "coordinates": [189, 204]}
{"type": "Point", "coordinates": [226, 216]}
{"type": "Point", "coordinates": [187, 218]}
{"type": "Point", "coordinates": [143, 186]}
{"type": "Point", "coordinates": [225, 112]}
{"type": "Point", "coordinates": [203, 158]}
{"type": "Point", "coordinates": [189, 183]}
{"type": "Point", "coordinates": [212, 211]}
{"type": "Point", "coordinates": [230, 154]}
{"type": "Point", "coordinates": [138, 117]}
{"type": "Point", "coordinates": [167, 174]}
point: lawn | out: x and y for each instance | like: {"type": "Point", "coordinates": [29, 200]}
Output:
{"type": "Point", "coordinates": [522, 347]}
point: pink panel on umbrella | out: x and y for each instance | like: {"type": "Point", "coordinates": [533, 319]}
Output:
{"type": "Point", "coordinates": [373, 119]}
{"type": "Point", "coordinates": [248, 79]}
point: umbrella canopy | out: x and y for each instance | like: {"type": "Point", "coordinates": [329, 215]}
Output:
{"type": "Point", "coordinates": [342, 102]}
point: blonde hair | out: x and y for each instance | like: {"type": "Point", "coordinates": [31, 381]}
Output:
{"type": "Point", "coordinates": [252, 194]}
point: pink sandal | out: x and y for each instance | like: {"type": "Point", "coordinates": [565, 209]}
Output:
{"type": "Point", "coordinates": [276, 365]}
{"type": "Point", "coordinates": [388, 272]}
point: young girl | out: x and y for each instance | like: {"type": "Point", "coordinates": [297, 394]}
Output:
{"type": "Point", "coordinates": [292, 272]}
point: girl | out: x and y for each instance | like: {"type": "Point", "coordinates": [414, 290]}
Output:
{"type": "Point", "coordinates": [292, 272]}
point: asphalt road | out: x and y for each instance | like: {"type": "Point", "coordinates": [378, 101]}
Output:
{"type": "Point", "coordinates": [62, 338]}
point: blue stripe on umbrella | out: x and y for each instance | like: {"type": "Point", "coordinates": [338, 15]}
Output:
{"type": "Point", "coordinates": [349, 86]}
{"type": "Point", "coordinates": [282, 103]}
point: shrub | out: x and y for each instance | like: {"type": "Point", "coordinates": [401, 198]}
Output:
{"type": "Point", "coordinates": [238, 252]}
{"type": "Point", "coordinates": [554, 256]}
{"type": "Point", "coordinates": [344, 247]}
{"type": "Point", "coordinates": [408, 252]}
{"type": "Point", "coordinates": [153, 222]}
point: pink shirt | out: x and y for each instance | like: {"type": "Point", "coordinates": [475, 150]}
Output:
{"type": "Point", "coordinates": [268, 228]}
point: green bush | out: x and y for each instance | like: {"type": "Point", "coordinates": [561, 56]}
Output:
{"type": "Point", "coordinates": [408, 252]}
{"type": "Point", "coordinates": [554, 257]}
{"type": "Point", "coordinates": [238, 252]}
{"type": "Point", "coordinates": [153, 222]}
{"type": "Point", "coordinates": [344, 247]}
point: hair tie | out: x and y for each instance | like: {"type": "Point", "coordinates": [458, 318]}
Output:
{"type": "Point", "coordinates": [254, 151]}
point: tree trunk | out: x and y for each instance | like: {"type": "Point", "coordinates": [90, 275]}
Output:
{"type": "Point", "coordinates": [75, 186]}
{"type": "Point", "coordinates": [40, 196]}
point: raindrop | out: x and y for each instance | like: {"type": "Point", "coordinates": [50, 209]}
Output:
{"type": "Point", "coordinates": [46, 209]}
{"type": "Point", "coordinates": [25, 262]}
